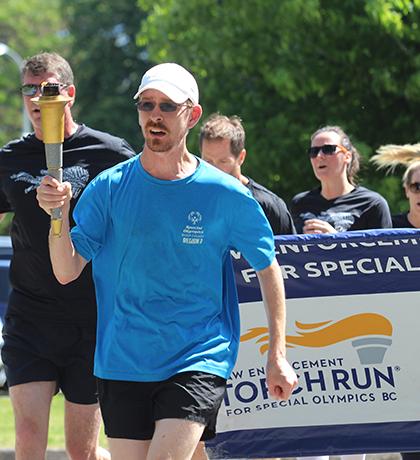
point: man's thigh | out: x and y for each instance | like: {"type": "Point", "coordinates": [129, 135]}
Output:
{"type": "Point", "coordinates": [173, 438]}
{"type": "Point", "coordinates": [31, 404]}
{"type": "Point", "coordinates": [177, 437]}
{"type": "Point", "coordinates": [128, 449]}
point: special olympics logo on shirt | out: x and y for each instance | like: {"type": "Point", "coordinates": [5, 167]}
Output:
{"type": "Point", "coordinates": [193, 234]}
{"type": "Point", "coordinates": [194, 217]}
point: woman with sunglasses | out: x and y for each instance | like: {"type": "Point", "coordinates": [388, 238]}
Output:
{"type": "Point", "coordinates": [339, 204]}
{"type": "Point", "coordinates": [411, 183]}
{"type": "Point", "coordinates": [389, 156]}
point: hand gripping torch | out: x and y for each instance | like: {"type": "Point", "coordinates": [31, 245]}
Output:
{"type": "Point", "coordinates": [51, 104]}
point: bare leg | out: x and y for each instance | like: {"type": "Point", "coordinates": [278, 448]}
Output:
{"type": "Point", "coordinates": [31, 406]}
{"type": "Point", "coordinates": [82, 425]}
{"type": "Point", "coordinates": [128, 449]}
{"type": "Point", "coordinates": [200, 452]}
{"type": "Point", "coordinates": [175, 439]}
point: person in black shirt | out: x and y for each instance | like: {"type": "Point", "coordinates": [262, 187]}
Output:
{"type": "Point", "coordinates": [49, 331]}
{"type": "Point", "coordinates": [339, 204]}
{"type": "Point", "coordinates": [222, 144]}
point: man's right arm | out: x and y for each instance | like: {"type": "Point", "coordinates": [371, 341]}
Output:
{"type": "Point", "coordinates": [67, 264]}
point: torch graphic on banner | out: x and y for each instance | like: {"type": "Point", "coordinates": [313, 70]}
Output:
{"type": "Point", "coordinates": [51, 104]}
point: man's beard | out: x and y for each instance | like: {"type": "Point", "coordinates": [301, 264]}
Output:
{"type": "Point", "coordinates": [158, 145]}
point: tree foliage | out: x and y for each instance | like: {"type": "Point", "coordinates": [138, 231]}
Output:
{"type": "Point", "coordinates": [285, 67]}
{"type": "Point", "coordinates": [27, 27]}
{"type": "Point", "coordinates": [288, 67]}
{"type": "Point", "coordinates": [97, 38]}
{"type": "Point", "coordinates": [107, 63]}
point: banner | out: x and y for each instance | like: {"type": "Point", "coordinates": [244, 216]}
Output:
{"type": "Point", "coordinates": [352, 337]}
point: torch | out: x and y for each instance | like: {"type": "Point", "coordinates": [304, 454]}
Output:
{"type": "Point", "coordinates": [51, 104]}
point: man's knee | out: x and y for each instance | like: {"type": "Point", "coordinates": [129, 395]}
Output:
{"type": "Point", "coordinates": [28, 429]}
{"type": "Point", "coordinates": [30, 433]}
{"type": "Point", "coordinates": [78, 451]}
{"type": "Point", "coordinates": [85, 449]}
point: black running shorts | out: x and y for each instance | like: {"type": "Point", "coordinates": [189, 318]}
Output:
{"type": "Point", "coordinates": [130, 409]}
{"type": "Point", "coordinates": [35, 351]}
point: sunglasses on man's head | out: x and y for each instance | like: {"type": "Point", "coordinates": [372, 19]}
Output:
{"type": "Point", "coordinates": [326, 149]}
{"type": "Point", "coordinates": [414, 187]}
{"type": "Point", "coordinates": [148, 106]}
{"type": "Point", "coordinates": [30, 89]}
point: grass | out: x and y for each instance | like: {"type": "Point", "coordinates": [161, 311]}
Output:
{"type": "Point", "coordinates": [56, 431]}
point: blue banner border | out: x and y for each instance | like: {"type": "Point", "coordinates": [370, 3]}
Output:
{"type": "Point", "coordinates": [311, 440]}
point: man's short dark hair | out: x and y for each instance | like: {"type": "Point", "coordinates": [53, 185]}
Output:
{"type": "Point", "coordinates": [48, 63]}
{"type": "Point", "coordinates": [218, 127]}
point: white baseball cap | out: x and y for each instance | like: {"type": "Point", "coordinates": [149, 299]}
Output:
{"type": "Point", "coordinates": [171, 79]}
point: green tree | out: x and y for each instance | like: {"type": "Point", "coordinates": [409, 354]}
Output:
{"type": "Point", "coordinates": [107, 64]}
{"type": "Point", "coordinates": [288, 67]}
{"type": "Point", "coordinates": [27, 27]}
{"type": "Point", "coordinates": [97, 38]}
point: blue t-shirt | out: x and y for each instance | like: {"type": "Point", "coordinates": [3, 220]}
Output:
{"type": "Point", "coordinates": [160, 252]}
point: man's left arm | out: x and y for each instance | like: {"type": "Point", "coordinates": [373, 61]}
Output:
{"type": "Point", "coordinates": [281, 378]}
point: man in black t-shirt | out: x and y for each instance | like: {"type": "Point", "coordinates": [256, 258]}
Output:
{"type": "Point", "coordinates": [49, 330]}
{"type": "Point", "coordinates": [222, 144]}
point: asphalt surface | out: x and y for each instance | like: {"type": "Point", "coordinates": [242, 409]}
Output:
{"type": "Point", "coordinates": [8, 454]}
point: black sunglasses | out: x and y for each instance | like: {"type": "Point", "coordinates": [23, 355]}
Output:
{"type": "Point", "coordinates": [30, 89]}
{"type": "Point", "coordinates": [148, 106]}
{"type": "Point", "coordinates": [414, 187]}
{"type": "Point", "coordinates": [326, 149]}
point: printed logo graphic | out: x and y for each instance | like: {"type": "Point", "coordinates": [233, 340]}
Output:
{"type": "Point", "coordinates": [371, 334]}
{"type": "Point", "coordinates": [193, 234]}
{"type": "Point", "coordinates": [76, 175]}
{"type": "Point", "coordinates": [341, 221]}
{"type": "Point", "coordinates": [194, 217]}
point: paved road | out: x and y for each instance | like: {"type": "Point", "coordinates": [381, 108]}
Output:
{"type": "Point", "coordinates": [8, 454]}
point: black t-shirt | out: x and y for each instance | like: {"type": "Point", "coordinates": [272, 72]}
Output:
{"type": "Point", "coordinates": [274, 208]}
{"type": "Point", "coordinates": [35, 290]}
{"type": "Point", "coordinates": [361, 209]}
{"type": "Point", "coordinates": [401, 221]}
